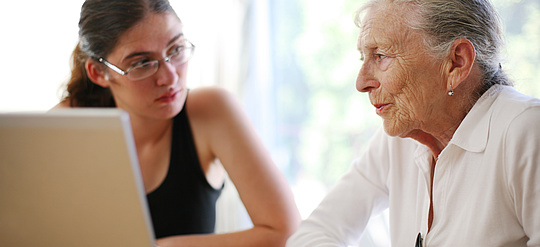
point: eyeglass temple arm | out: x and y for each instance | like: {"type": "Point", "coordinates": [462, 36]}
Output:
{"type": "Point", "coordinates": [111, 66]}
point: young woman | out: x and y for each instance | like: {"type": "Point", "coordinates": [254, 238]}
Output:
{"type": "Point", "coordinates": [133, 55]}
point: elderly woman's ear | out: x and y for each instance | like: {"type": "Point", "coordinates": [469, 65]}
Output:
{"type": "Point", "coordinates": [460, 62]}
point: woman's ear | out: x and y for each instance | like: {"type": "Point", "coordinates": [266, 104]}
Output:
{"type": "Point", "coordinates": [96, 73]}
{"type": "Point", "coordinates": [461, 59]}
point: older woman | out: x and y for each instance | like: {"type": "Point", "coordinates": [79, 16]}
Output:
{"type": "Point", "coordinates": [458, 162]}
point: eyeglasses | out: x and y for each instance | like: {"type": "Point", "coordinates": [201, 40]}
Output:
{"type": "Point", "coordinates": [139, 71]}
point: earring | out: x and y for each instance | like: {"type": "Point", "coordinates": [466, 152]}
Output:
{"type": "Point", "coordinates": [451, 92]}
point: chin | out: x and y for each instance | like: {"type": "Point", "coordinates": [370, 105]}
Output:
{"type": "Point", "coordinates": [174, 110]}
{"type": "Point", "coordinates": [394, 129]}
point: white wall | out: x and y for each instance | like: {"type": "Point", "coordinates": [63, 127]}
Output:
{"type": "Point", "coordinates": [37, 38]}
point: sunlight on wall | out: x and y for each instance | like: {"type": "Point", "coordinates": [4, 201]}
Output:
{"type": "Point", "coordinates": [38, 38]}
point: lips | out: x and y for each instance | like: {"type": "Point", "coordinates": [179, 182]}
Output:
{"type": "Point", "coordinates": [167, 97]}
{"type": "Point", "coordinates": [379, 108]}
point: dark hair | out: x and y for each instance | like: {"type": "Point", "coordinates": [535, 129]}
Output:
{"type": "Point", "coordinates": [101, 24]}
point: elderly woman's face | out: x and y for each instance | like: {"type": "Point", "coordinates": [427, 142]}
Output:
{"type": "Point", "coordinates": [404, 83]}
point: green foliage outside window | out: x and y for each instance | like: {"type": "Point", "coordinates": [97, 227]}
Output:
{"type": "Point", "coordinates": [325, 123]}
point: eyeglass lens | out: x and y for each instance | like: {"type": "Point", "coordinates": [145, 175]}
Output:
{"type": "Point", "coordinates": [178, 57]}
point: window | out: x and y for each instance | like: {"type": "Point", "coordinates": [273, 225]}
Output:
{"type": "Point", "coordinates": [292, 62]}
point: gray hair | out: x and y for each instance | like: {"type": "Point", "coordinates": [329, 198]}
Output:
{"type": "Point", "coordinates": [445, 21]}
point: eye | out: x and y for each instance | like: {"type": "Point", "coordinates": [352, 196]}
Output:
{"type": "Point", "coordinates": [145, 64]}
{"type": "Point", "coordinates": [383, 61]}
{"type": "Point", "coordinates": [141, 63]}
{"type": "Point", "coordinates": [178, 54]}
{"type": "Point", "coordinates": [380, 56]}
{"type": "Point", "coordinates": [176, 50]}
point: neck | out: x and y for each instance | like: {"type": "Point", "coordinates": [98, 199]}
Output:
{"type": "Point", "coordinates": [149, 131]}
{"type": "Point", "coordinates": [436, 143]}
{"type": "Point", "coordinates": [438, 130]}
{"type": "Point", "coordinates": [437, 133]}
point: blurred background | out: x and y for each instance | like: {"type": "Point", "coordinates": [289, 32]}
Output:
{"type": "Point", "coordinates": [292, 63]}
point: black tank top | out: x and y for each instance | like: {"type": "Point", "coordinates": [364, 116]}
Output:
{"type": "Point", "coordinates": [185, 203]}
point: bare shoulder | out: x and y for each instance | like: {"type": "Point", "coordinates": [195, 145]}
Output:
{"type": "Point", "coordinates": [210, 102]}
{"type": "Point", "coordinates": [62, 105]}
{"type": "Point", "coordinates": [214, 115]}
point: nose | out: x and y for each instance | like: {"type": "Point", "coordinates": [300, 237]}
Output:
{"type": "Point", "coordinates": [366, 81]}
{"type": "Point", "coordinates": [167, 73]}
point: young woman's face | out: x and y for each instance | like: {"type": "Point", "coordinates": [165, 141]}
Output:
{"type": "Point", "coordinates": [162, 94]}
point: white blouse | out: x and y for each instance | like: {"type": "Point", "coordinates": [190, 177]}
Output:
{"type": "Point", "coordinates": [486, 187]}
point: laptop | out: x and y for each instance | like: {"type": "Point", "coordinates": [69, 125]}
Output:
{"type": "Point", "coordinates": [70, 177]}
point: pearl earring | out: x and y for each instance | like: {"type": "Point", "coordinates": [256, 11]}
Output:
{"type": "Point", "coordinates": [451, 92]}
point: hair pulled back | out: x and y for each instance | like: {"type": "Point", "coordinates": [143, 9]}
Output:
{"type": "Point", "coordinates": [101, 24]}
{"type": "Point", "coordinates": [445, 21]}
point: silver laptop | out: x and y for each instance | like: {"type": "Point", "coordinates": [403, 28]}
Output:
{"type": "Point", "coordinates": [71, 178]}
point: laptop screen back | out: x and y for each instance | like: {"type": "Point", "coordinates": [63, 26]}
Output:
{"type": "Point", "coordinates": [71, 178]}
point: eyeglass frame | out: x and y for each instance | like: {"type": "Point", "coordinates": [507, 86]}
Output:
{"type": "Point", "coordinates": [115, 68]}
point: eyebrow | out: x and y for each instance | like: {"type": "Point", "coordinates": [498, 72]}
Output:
{"type": "Point", "coordinates": [174, 39]}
